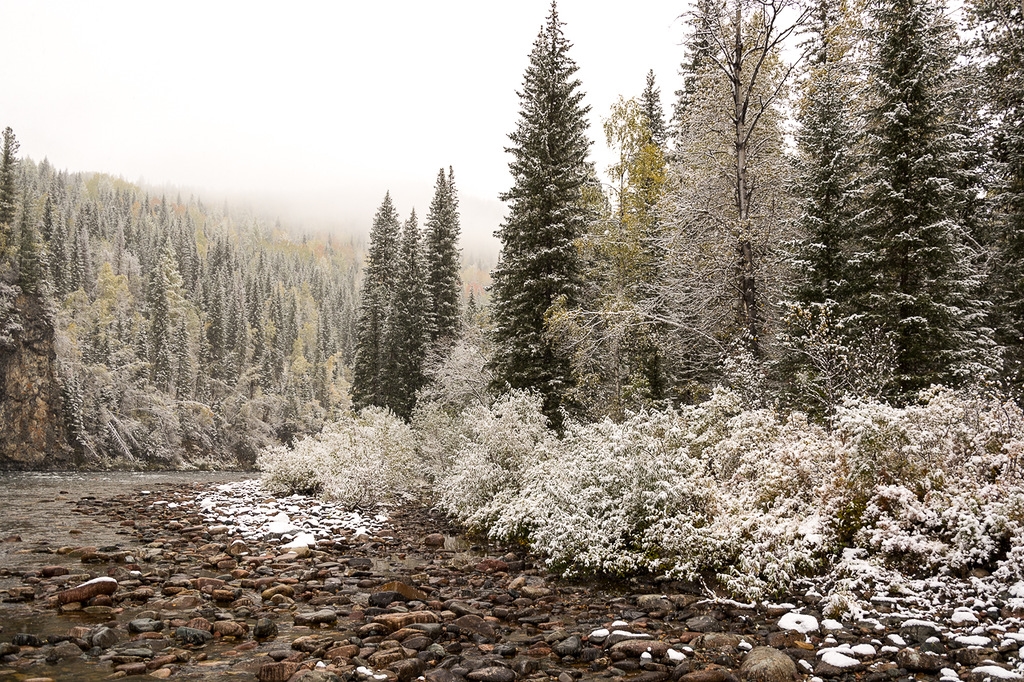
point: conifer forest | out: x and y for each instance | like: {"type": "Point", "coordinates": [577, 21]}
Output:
{"type": "Point", "coordinates": [786, 320]}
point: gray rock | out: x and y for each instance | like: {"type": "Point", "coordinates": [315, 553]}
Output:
{"type": "Point", "coordinates": [64, 650]}
{"type": "Point", "coordinates": [653, 602]}
{"type": "Point", "coordinates": [919, 661]}
{"type": "Point", "coordinates": [703, 624]}
{"type": "Point", "coordinates": [105, 637]}
{"type": "Point", "coordinates": [439, 674]}
{"type": "Point", "coordinates": [492, 674]}
{"type": "Point", "coordinates": [265, 629]}
{"type": "Point", "coordinates": [765, 664]}
{"type": "Point", "coordinates": [192, 635]}
{"type": "Point", "coordinates": [476, 628]}
{"type": "Point", "coordinates": [145, 625]}
{"type": "Point", "coordinates": [569, 647]}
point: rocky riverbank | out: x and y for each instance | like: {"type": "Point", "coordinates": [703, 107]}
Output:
{"type": "Point", "coordinates": [227, 582]}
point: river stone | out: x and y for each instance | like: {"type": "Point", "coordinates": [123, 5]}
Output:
{"type": "Point", "coordinates": [408, 669]}
{"type": "Point", "coordinates": [492, 674]}
{"type": "Point", "coordinates": [635, 648]}
{"type": "Point", "coordinates": [434, 540]}
{"type": "Point", "coordinates": [265, 629]}
{"type": "Point", "coordinates": [709, 675]}
{"type": "Point", "coordinates": [919, 661]}
{"type": "Point", "coordinates": [918, 631]}
{"type": "Point", "coordinates": [230, 628]}
{"type": "Point", "coordinates": [382, 599]}
{"type": "Point", "coordinates": [719, 641]}
{"type": "Point", "coordinates": [276, 672]}
{"type": "Point", "coordinates": [105, 638]}
{"type": "Point", "coordinates": [765, 664]}
{"type": "Point", "coordinates": [703, 624]}
{"type": "Point", "coordinates": [321, 676]}
{"type": "Point", "coordinates": [26, 639]}
{"type": "Point", "coordinates": [64, 650]}
{"type": "Point", "coordinates": [8, 649]}
{"type": "Point", "coordinates": [653, 602]}
{"type": "Point", "coordinates": [569, 647]}
{"type": "Point", "coordinates": [476, 628]}
{"type": "Point", "coordinates": [192, 635]}
{"type": "Point", "coordinates": [397, 621]}
{"type": "Point", "coordinates": [140, 625]}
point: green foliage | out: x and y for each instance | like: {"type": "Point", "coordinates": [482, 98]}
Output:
{"type": "Point", "coordinates": [539, 264]}
{"type": "Point", "coordinates": [441, 262]}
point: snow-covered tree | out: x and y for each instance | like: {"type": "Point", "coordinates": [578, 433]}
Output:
{"type": "Point", "coordinates": [441, 261]}
{"type": "Point", "coordinates": [379, 284]}
{"type": "Point", "coordinates": [406, 334]}
{"type": "Point", "coordinates": [913, 278]}
{"type": "Point", "coordinates": [539, 264]}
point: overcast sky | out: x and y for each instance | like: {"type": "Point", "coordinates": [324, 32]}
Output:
{"type": "Point", "coordinates": [313, 109]}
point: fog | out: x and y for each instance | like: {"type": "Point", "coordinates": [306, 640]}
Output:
{"type": "Point", "coordinates": [310, 111]}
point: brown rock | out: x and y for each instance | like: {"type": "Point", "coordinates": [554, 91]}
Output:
{"type": "Point", "coordinates": [88, 590]}
{"type": "Point", "coordinates": [408, 669]}
{"type": "Point", "coordinates": [709, 675]}
{"type": "Point", "coordinates": [434, 540]}
{"type": "Point", "coordinates": [397, 621]}
{"type": "Point", "coordinates": [719, 641]}
{"type": "Point", "coordinates": [476, 628]}
{"type": "Point", "coordinates": [765, 664]}
{"type": "Point", "coordinates": [230, 628]}
{"type": "Point", "coordinates": [636, 647]}
{"type": "Point", "coordinates": [407, 591]}
{"type": "Point", "coordinates": [276, 672]}
{"type": "Point", "coordinates": [53, 571]}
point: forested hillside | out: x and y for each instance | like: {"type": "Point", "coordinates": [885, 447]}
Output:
{"type": "Point", "coordinates": [185, 334]}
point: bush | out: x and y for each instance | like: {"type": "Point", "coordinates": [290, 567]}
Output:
{"type": "Point", "coordinates": [359, 461]}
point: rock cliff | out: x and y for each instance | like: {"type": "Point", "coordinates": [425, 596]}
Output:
{"type": "Point", "coordinates": [33, 430]}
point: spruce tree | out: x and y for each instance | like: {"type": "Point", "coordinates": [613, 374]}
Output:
{"type": "Point", "coordinates": [406, 336]}
{"type": "Point", "coordinates": [8, 195]}
{"type": "Point", "coordinates": [31, 261]}
{"type": "Point", "coordinates": [650, 100]}
{"type": "Point", "coordinates": [539, 265]}
{"type": "Point", "coordinates": [368, 372]}
{"type": "Point", "coordinates": [441, 261]}
{"type": "Point", "coordinates": [826, 161]}
{"type": "Point", "coordinates": [999, 29]}
{"type": "Point", "coordinates": [914, 278]}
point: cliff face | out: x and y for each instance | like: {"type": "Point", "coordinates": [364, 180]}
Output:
{"type": "Point", "coordinates": [33, 431]}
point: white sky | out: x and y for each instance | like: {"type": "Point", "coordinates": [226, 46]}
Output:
{"type": "Point", "coordinates": [311, 109]}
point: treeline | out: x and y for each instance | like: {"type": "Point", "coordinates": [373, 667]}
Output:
{"type": "Point", "coordinates": [852, 224]}
{"type": "Point", "coordinates": [185, 334]}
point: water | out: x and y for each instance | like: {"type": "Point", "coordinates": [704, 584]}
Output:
{"type": "Point", "coordinates": [40, 508]}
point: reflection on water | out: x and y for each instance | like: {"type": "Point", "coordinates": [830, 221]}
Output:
{"type": "Point", "coordinates": [40, 508]}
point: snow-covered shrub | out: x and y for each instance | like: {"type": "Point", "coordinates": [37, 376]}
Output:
{"type": "Point", "coordinates": [358, 460]}
{"type": "Point", "coordinates": [497, 444]}
{"type": "Point", "coordinates": [933, 485]}
{"type": "Point", "coordinates": [595, 501]}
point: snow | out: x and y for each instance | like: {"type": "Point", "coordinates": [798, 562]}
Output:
{"type": "Point", "coordinates": [800, 622]}
{"type": "Point", "coordinates": [837, 659]}
{"type": "Point", "coordinates": [963, 616]}
{"type": "Point", "coordinates": [251, 513]}
{"type": "Point", "coordinates": [995, 672]}
{"type": "Point", "coordinates": [600, 633]}
{"type": "Point", "coordinates": [104, 579]}
{"type": "Point", "coordinates": [675, 656]}
{"type": "Point", "coordinates": [897, 640]}
{"type": "Point", "coordinates": [831, 625]}
{"type": "Point", "coordinates": [973, 640]}
{"type": "Point", "coordinates": [863, 650]}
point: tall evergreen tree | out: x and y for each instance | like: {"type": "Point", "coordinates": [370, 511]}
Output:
{"type": "Point", "coordinates": [8, 194]}
{"type": "Point", "coordinates": [31, 260]}
{"type": "Point", "coordinates": [914, 278]}
{"type": "Point", "coordinates": [650, 100]}
{"type": "Point", "coordinates": [826, 163]}
{"type": "Point", "coordinates": [379, 285]}
{"type": "Point", "coordinates": [539, 265]}
{"type": "Point", "coordinates": [406, 336]}
{"type": "Point", "coordinates": [999, 27]}
{"type": "Point", "coordinates": [441, 260]}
